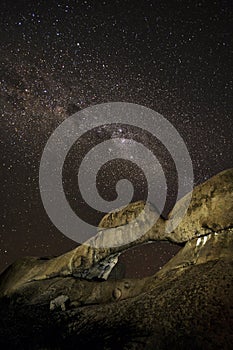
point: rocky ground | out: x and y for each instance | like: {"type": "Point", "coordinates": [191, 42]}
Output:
{"type": "Point", "coordinates": [71, 302]}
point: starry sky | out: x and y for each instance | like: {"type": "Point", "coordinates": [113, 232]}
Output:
{"type": "Point", "coordinates": [59, 57]}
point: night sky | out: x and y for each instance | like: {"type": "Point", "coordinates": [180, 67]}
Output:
{"type": "Point", "coordinates": [59, 57]}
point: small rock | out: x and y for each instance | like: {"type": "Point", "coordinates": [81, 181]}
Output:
{"type": "Point", "coordinates": [127, 285]}
{"type": "Point", "coordinates": [116, 293]}
{"type": "Point", "coordinates": [59, 303]}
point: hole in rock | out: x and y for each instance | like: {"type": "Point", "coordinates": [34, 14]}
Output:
{"type": "Point", "coordinates": [144, 260]}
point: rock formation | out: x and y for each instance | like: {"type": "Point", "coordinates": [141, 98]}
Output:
{"type": "Point", "coordinates": [69, 302]}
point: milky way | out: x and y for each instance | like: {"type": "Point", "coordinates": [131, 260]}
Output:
{"type": "Point", "coordinates": [60, 57]}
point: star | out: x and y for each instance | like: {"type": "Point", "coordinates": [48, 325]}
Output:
{"type": "Point", "coordinates": [59, 58]}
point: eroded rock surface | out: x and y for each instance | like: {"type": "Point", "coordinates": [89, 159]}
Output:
{"type": "Point", "coordinates": [64, 303]}
{"type": "Point", "coordinates": [123, 216]}
{"type": "Point", "coordinates": [210, 209]}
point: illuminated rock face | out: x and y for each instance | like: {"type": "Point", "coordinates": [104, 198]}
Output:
{"type": "Point", "coordinates": [123, 216]}
{"type": "Point", "coordinates": [211, 247]}
{"type": "Point", "coordinates": [210, 209]}
{"type": "Point", "coordinates": [188, 302]}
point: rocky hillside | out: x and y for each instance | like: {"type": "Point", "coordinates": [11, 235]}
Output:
{"type": "Point", "coordinates": [70, 302]}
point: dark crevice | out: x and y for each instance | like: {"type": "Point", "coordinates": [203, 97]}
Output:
{"type": "Point", "coordinates": [210, 231]}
